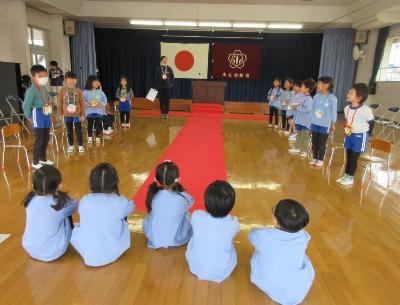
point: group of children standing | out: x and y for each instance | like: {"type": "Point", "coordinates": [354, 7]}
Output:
{"type": "Point", "coordinates": [279, 266]}
{"type": "Point", "coordinates": [74, 106]}
{"type": "Point", "coordinates": [303, 115]}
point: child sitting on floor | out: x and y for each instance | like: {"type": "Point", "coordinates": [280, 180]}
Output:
{"type": "Point", "coordinates": [210, 253]}
{"type": "Point", "coordinates": [167, 223]}
{"type": "Point", "coordinates": [102, 235]}
{"type": "Point", "coordinates": [279, 266]}
{"type": "Point", "coordinates": [48, 216]}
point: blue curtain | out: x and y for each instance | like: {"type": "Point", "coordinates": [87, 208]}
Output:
{"type": "Point", "coordinates": [83, 52]}
{"type": "Point", "coordinates": [337, 61]}
{"type": "Point", "coordinates": [136, 53]}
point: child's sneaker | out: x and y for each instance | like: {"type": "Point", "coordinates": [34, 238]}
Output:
{"type": "Point", "coordinates": [81, 149]}
{"type": "Point", "coordinates": [70, 149]}
{"type": "Point", "coordinates": [98, 140]}
{"type": "Point", "coordinates": [347, 181]}
{"type": "Point", "coordinates": [319, 163]}
{"type": "Point", "coordinates": [276, 126]}
{"type": "Point", "coordinates": [341, 178]}
{"type": "Point", "coordinates": [37, 165]}
{"type": "Point", "coordinates": [292, 137]}
{"type": "Point", "coordinates": [313, 161]}
{"type": "Point", "coordinates": [127, 125]}
{"type": "Point", "coordinates": [269, 125]}
{"type": "Point", "coordinates": [47, 162]}
{"type": "Point", "coordinates": [303, 154]}
{"type": "Point", "coordinates": [90, 140]}
{"type": "Point", "coordinates": [294, 150]}
{"type": "Point", "coordinates": [110, 130]}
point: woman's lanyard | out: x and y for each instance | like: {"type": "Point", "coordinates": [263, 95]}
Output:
{"type": "Point", "coordinates": [164, 71]}
{"type": "Point", "coordinates": [348, 128]}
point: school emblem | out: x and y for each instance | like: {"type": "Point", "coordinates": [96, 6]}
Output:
{"type": "Point", "coordinates": [237, 59]}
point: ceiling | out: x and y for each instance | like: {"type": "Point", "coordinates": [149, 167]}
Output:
{"type": "Point", "coordinates": [315, 15]}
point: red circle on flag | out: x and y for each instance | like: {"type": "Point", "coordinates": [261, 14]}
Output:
{"type": "Point", "coordinates": [184, 60]}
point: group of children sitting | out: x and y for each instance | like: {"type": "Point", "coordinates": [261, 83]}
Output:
{"type": "Point", "coordinates": [302, 115]}
{"type": "Point", "coordinates": [279, 266]}
{"type": "Point", "coordinates": [74, 106]}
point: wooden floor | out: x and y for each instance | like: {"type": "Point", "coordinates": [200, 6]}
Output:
{"type": "Point", "coordinates": [355, 245]}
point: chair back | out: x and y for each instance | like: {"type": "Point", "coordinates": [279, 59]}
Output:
{"type": "Point", "coordinates": [382, 145]}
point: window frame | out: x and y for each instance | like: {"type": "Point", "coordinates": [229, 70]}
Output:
{"type": "Point", "coordinates": [384, 65]}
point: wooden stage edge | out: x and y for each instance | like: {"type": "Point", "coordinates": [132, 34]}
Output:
{"type": "Point", "coordinates": [185, 105]}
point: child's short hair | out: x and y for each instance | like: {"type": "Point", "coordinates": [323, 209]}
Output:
{"type": "Point", "coordinates": [89, 82]}
{"type": "Point", "coordinates": [71, 75]}
{"type": "Point", "coordinates": [361, 91]}
{"type": "Point", "coordinates": [310, 84]}
{"type": "Point", "coordinates": [278, 79]}
{"type": "Point", "coordinates": [290, 80]}
{"type": "Point", "coordinates": [104, 179]}
{"type": "Point", "coordinates": [297, 83]}
{"type": "Point", "coordinates": [291, 215]}
{"type": "Point", "coordinates": [54, 63]}
{"type": "Point", "coordinates": [219, 198]}
{"type": "Point", "coordinates": [37, 69]}
{"type": "Point", "coordinates": [327, 80]}
{"type": "Point", "coordinates": [162, 57]}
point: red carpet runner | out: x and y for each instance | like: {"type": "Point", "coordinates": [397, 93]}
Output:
{"type": "Point", "coordinates": [198, 150]}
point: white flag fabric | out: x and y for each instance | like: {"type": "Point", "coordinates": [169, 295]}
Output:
{"type": "Point", "coordinates": [188, 60]}
{"type": "Point", "coordinates": [151, 96]}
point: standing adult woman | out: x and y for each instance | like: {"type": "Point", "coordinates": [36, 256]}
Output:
{"type": "Point", "coordinates": [164, 81]}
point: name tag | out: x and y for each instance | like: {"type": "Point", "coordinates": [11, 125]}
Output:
{"type": "Point", "coordinates": [47, 109]}
{"type": "Point", "coordinates": [319, 113]}
{"type": "Point", "coordinates": [71, 108]}
{"type": "Point", "coordinates": [94, 103]}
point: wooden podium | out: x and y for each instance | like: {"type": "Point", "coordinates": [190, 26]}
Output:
{"type": "Point", "coordinates": [208, 92]}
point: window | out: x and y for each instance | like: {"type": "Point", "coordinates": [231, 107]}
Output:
{"type": "Point", "coordinates": [39, 46]}
{"type": "Point", "coordinates": [389, 69]}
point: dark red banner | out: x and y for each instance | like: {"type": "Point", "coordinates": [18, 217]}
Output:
{"type": "Point", "coordinates": [236, 61]}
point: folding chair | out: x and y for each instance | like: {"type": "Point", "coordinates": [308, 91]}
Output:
{"type": "Point", "coordinates": [375, 109]}
{"type": "Point", "coordinates": [389, 122]}
{"type": "Point", "coordinates": [13, 131]}
{"type": "Point", "coordinates": [382, 146]}
{"type": "Point", "coordinates": [14, 113]}
{"type": "Point", "coordinates": [57, 128]}
{"type": "Point", "coordinates": [334, 145]}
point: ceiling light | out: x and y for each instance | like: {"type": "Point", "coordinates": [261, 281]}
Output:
{"type": "Point", "coordinates": [180, 23]}
{"type": "Point", "coordinates": [249, 25]}
{"type": "Point", "coordinates": [213, 24]}
{"type": "Point", "coordinates": [146, 22]}
{"type": "Point", "coordinates": [285, 26]}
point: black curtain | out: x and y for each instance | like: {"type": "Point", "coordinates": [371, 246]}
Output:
{"type": "Point", "coordinates": [136, 53]}
{"type": "Point", "coordinates": [379, 50]}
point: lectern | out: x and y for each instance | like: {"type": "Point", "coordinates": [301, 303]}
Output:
{"type": "Point", "coordinates": [208, 92]}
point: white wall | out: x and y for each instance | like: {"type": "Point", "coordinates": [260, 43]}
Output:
{"type": "Point", "coordinates": [59, 43]}
{"type": "Point", "coordinates": [387, 93]}
{"type": "Point", "coordinates": [13, 33]}
{"type": "Point", "coordinates": [14, 20]}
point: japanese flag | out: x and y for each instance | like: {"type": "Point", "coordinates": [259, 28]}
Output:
{"type": "Point", "coordinates": [188, 60]}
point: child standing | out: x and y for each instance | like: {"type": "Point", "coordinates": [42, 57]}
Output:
{"type": "Point", "coordinates": [210, 253]}
{"type": "Point", "coordinates": [95, 102]}
{"type": "Point", "coordinates": [37, 108]}
{"type": "Point", "coordinates": [167, 223]}
{"type": "Point", "coordinates": [294, 100]}
{"type": "Point", "coordinates": [359, 124]}
{"type": "Point", "coordinates": [323, 119]}
{"type": "Point", "coordinates": [102, 235]}
{"type": "Point", "coordinates": [56, 78]}
{"type": "Point", "coordinates": [280, 266]}
{"type": "Point", "coordinates": [124, 95]}
{"type": "Point", "coordinates": [71, 109]}
{"type": "Point", "coordinates": [274, 96]}
{"type": "Point", "coordinates": [285, 97]}
{"type": "Point", "coordinates": [48, 216]}
{"type": "Point", "coordinates": [302, 118]}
